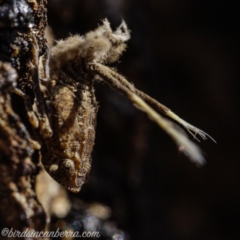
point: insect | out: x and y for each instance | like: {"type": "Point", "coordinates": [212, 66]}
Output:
{"type": "Point", "coordinates": [75, 64]}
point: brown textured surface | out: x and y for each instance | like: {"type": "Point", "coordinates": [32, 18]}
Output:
{"type": "Point", "coordinates": [16, 186]}
{"type": "Point", "coordinates": [19, 207]}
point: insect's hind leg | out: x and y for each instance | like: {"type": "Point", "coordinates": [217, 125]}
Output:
{"type": "Point", "coordinates": [156, 105]}
{"type": "Point", "coordinates": [190, 149]}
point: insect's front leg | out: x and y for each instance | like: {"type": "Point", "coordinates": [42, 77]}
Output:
{"type": "Point", "coordinates": [17, 140]}
{"type": "Point", "coordinates": [44, 125]}
{"type": "Point", "coordinates": [37, 116]}
{"type": "Point", "coordinates": [28, 106]}
{"type": "Point", "coordinates": [44, 66]}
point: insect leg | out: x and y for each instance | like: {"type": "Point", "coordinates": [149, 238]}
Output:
{"type": "Point", "coordinates": [34, 3]}
{"type": "Point", "coordinates": [44, 124]}
{"type": "Point", "coordinates": [10, 123]}
{"type": "Point", "coordinates": [44, 66]}
{"type": "Point", "coordinates": [19, 125]}
{"type": "Point", "coordinates": [158, 106]}
{"type": "Point", "coordinates": [189, 148]}
{"type": "Point", "coordinates": [28, 106]}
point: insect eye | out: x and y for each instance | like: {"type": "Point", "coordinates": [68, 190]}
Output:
{"type": "Point", "coordinates": [68, 163]}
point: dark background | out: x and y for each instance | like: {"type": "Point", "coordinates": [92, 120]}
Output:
{"type": "Point", "coordinates": [186, 55]}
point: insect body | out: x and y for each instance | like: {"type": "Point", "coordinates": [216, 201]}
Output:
{"type": "Point", "coordinates": [72, 105]}
{"type": "Point", "coordinates": [75, 63]}
{"type": "Point", "coordinates": [73, 114]}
